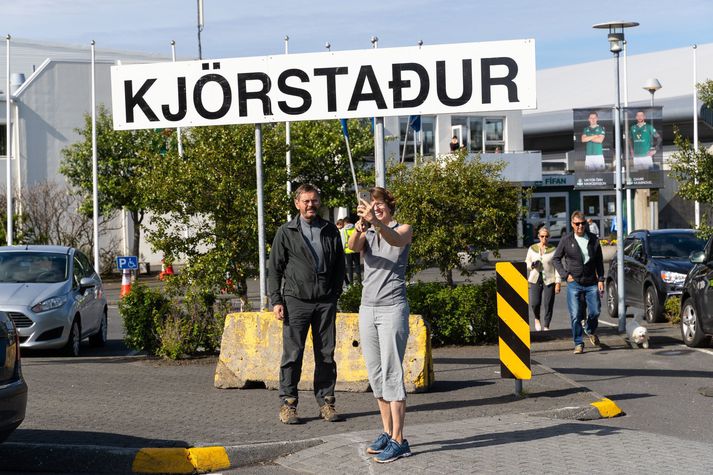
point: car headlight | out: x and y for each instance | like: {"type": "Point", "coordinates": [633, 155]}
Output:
{"type": "Point", "coordinates": [49, 304]}
{"type": "Point", "coordinates": [672, 277]}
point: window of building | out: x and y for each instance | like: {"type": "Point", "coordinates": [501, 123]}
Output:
{"type": "Point", "coordinates": [485, 134]}
{"type": "Point", "coordinates": [425, 144]}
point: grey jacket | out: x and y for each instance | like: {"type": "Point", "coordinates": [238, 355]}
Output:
{"type": "Point", "coordinates": [292, 267]}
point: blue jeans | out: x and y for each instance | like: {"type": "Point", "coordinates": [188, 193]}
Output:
{"type": "Point", "coordinates": [577, 295]}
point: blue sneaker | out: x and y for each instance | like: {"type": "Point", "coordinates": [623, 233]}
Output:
{"type": "Point", "coordinates": [393, 451]}
{"type": "Point", "coordinates": [379, 444]}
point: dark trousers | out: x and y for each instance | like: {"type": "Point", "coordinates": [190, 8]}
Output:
{"type": "Point", "coordinates": [353, 267]}
{"type": "Point", "coordinates": [541, 294]}
{"type": "Point", "coordinates": [300, 316]}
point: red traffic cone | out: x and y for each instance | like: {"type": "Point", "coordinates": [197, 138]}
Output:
{"type": "Point", "coordinates": [125, 283]}
{"type": "Point", "coordinates": [166, 269]}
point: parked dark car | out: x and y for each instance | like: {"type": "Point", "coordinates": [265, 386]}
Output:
{"type": "Point", "coordinates": [697, 299]}
{"type": "Point", "coordinates": [13, 390]}
{"type": "Point", "coordinates": [655, 267]}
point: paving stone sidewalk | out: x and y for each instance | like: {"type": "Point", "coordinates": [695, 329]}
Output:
{"type": "Point", "coordinates": [511, 443]}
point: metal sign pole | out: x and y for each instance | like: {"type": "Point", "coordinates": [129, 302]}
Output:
{"type": "Point", "coordinates": [8, 143]}
{"type": "Point", "coordinates": [95, 173]}
{"type": "Point", "coordinates": [260, 216]}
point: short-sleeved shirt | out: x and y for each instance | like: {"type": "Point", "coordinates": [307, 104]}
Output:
{"type": "Point", "coordinates": [593, 148]}
{"type": "Point", "coordinates": [642, 139]}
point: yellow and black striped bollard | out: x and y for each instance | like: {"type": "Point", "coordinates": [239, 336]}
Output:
{"type": "Point", "coordinates": [513, 322]}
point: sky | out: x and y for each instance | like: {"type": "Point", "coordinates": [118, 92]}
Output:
{"type": "Point", "coordinates": [562, 29]}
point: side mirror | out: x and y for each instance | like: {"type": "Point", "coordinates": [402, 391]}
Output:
{"type": "Point", "coordinates": [86, 283]}
{"type": "Point", "coordinates": [639, 256]}
{"type": "Point", "coordinates": [697, 257]}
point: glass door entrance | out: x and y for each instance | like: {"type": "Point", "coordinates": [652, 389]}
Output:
{"type": "Point", "coordinates": [551, 210]}
{"type": "Point", "coordinates": [601, 207]}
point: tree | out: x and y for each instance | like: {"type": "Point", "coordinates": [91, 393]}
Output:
{"type": "Point", "coordinates": [204, 205]}
{"type": "Point", "coordinates": [319, 156]}
{"type": "Point", "coordinates": [123, 158]}
{"type": "Point", "coordinates": [693, 170]}
{"type": "Point", "coordinates": [454, 205]}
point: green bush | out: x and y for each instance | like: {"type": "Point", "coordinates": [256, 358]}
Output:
{"type": "Point", "coordinates": [143, 311]}
{"type": "Point", "coordinates": [173, 329]}
{"type": "Point", "coordinates": [462, 315]}
{"type": "Point", "coordinates": [351, 298]}
{"type": "Point", "coordinates": [672, 310]}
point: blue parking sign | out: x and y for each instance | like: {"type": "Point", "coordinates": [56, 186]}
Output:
{"type": "Point", "coordinates": [127, 262]}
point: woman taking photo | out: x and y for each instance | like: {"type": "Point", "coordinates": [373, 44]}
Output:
{"type": "Point", "coordinates": [544, 281]}
{"type": "Point", "coordinates": [384, 316]}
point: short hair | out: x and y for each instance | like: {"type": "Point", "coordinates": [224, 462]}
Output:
{"type": "Point", "coordinates": [577, 214]}
{"type": "Point", "coordinates": [339, 222]}
{"type": "Point", "coordinates": [306, 188]}
{"type": "Point", "coordinates": [593, 113]}
{"type": "Point", "coordinates": [384, 195]}
{"type": "Point", "coordinates": [545, 228]}
{"type": "Point", "coordinates": [347, 220]}
{"type": "Point", "coordinates": [641, 112]}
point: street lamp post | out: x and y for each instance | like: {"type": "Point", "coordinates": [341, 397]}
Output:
{"type": "Point", "coordinates": [616, 39]}
{"type": "Point", "coordinates": [652, 85]}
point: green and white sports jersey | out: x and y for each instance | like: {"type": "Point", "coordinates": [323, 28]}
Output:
{"type": "Point", "coordinates": [642, 138]}
{"type": "Point", "coordinates": [593, 148]}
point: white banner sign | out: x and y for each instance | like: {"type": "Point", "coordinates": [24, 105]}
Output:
{"type": "Point", "coordinates": [456, 78]}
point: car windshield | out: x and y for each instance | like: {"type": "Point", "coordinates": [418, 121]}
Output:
{"type": "Point", "coordinates": [32, 267]}
{"type": "Point", "coordinates": [675, 245]}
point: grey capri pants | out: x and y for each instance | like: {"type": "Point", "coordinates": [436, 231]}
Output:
{"type": "Point", "coordinates": [384, 332]}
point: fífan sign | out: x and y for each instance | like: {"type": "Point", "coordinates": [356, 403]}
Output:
{"type": "Point", "coordinates": [456, 78]}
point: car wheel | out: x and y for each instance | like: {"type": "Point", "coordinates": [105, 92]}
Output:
{"type": "Point", "coordinates": [652, 305]}
{"type": "Point", "coordinates": [75, 338]}
{"type": "Point", "coordinates": [690, 326]}
{"type": "Point", "coordinates": [99, 338]}
{"type": "Point", "coordinates": [612, 300]}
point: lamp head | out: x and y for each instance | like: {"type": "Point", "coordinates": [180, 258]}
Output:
{"type": "Point", "coordinates": [652, 85]}
{"type": "Point", "coordinates": [616, 33]}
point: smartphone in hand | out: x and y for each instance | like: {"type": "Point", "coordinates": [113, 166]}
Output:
{"type": "Point", "coordinates": [364, 195]}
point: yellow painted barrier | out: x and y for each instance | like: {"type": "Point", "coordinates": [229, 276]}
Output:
{"type": "Point", "coordinates": [251, 349]}
{"type": "Point", "coordinates": [180, 460]}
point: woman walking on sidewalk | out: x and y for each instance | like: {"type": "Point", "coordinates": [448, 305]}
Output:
{"type": "Point", "coordinates": [544, 281]}
{"type": "Point", "coordinates": [384, 316]}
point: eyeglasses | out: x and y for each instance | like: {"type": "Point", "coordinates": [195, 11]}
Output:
{"type": "Point", "coordinates": [578, 223]}
{"type": "Point", "coordinates": [544, 237]}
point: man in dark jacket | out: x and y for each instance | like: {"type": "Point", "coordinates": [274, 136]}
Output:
{"type": "Point", "coordinates": [306, 272]}
{"type": "Point", "coordinates": [578, 259]}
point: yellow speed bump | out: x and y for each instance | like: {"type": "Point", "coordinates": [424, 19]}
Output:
{"type": "Point", "coordinates": [607, 408]}
{"type": "Point", "coordinates": [180, 460]}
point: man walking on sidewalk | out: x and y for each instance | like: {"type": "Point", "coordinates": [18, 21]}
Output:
{"type": "Point", "coordinates": [578, 259]}
{"type": "Point", "coordinates": [306, 271]}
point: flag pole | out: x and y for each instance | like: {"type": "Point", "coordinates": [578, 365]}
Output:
{"type": "Point", "coordinates": [95, 175]}
{"type": "Point", "coordinates": [8, 142]}
{"type": "Point", "coordinates": [351, 162]}
{"type": "Point", "coordinates": [403, 153]}
{"type": "Point", "coordinates": [178, 129]}
{"type": "Point", "coordinates": [696, 205]}
{"type": "Point", "coordinates": [288, 138]}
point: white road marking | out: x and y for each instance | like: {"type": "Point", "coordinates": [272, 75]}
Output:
{"type": "Point", "coordinates": [702, 350]}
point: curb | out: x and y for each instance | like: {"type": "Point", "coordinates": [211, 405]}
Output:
{"type": "Point", "coordinates": [173, 460]}
{"type": "Point", "coordinates": [602, 408]}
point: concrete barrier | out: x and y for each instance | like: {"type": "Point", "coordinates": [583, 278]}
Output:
{"type": "Point", "coordinates": [251, 349]}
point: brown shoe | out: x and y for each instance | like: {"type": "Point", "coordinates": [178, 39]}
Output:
{"type": "Point", "coordinates": [288, 412]}
{"type": "Point", "coordinates": [579, 349]}
{"type": "Point", "coordinates": [328, 412]}
{"type": "Point", "coordinates": [594, 339]}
